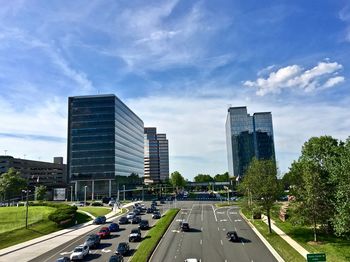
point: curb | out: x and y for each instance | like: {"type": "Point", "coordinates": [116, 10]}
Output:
{"type": "Point", "coordinates": [267, 244]}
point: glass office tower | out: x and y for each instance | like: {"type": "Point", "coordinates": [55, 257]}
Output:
{"type": "Point", "coordinates": [247, 137]}
{"type": "Point", "coordinates": [105, 145]}
{"type": "Point", "coordinates": [156, 156]}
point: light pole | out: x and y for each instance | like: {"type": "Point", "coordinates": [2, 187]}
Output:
{"type": "Point", "coordinates": [71, 193]}
{"type": "Point", "coordinates": [124, 192]}
{"type": "Point", "coordinates": [85, 187]}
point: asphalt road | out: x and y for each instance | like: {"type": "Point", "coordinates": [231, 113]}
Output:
{"type": "Point", "coordinates": [207, 238]}
{"type": "Point", "coordinates": [107, 246]}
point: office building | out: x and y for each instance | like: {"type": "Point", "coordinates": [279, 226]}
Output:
{"type": "Point", "coordinates": [105, 145]}
{"type": "Point", "coordinates": [156, 157]}
{"type": "Point", "coordinates": [51, 175]}
{"type": "Point", "coordinates": [247, 137]}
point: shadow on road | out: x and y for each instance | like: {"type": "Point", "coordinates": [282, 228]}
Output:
{"type": "Point", "coordinates": [114, 235]}
{"type": "Point", "coordinates": [194, 230]}
{"type": "Point", "coordinates": [104, 245]}
{"type": "Point", "coordinates": [244, 240]}
{"type": "Point", "coordinates": [91, 257]}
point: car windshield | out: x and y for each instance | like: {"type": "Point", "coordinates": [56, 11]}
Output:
{"type": "Point", "coordinates": [78, 249]}
{"type": "Point", "coordinates": [134, 231]}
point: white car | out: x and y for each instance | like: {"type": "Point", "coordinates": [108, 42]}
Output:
{"type": "Point", "coordinates": [131, 215]}
{"type": "Point", "coordinates": [79, 252]}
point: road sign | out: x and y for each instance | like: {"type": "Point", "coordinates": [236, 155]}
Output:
{"type": "Point", "coordinates": [319, 257]}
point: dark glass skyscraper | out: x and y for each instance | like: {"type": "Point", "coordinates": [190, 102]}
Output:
{"type": "Point", "coordinates": [105, 144]}
{"type": "Point", "coordinates": [156, 156]}
{"type": "Point", "coordinates": [247, 137]}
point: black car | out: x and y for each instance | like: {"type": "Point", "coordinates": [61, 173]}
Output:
{"type": "Point", "coordinates": [92, 241]}
{"type": "Point", "coordinates": [123, 248]}
{"type": "Point", "coordinates": [136, 220]}
{"type": "Point", "coordinates": [123, 220]}
{"type": "Point", "coordinates": [184, 226]}
{"type": "Point", "coordinates": [156, 215]}
{"type": "Point", "coordinates": [63, 259]}
{"type": "Point", "coordinates": [149, 210]}
{"type": "Point", "coordinates": [116, 258]}
{"type": "Point", "coordinates": [144, 224]}
{"type": "Point", "coordinates": [162, 201]}
{"type": "Point", "coordinates": [135, 235]}
{"type": "Point", "coordinates": [137, 211]}
{"type": "Point", "coordinates": [100, 220]}
{"type": "Point", "coordinates": [232, 236]}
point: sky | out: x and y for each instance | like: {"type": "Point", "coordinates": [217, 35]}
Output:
{"type": "Point", "coordinates": [178, 65]}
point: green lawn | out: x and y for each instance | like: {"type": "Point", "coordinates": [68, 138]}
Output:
{"type": "Point", "coordinates": [14, 217]}
{"type": "Point", "coordinates": [96, 211]}
{"type": "Point", "coordinates": [145, 250]}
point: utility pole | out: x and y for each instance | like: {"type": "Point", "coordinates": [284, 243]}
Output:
{"type": "Point", "coordinates": [124, 192]}
{"type": "Point", "coordinates": [85, 195]}
{"type": "Point", "coordinates": [27, 205]}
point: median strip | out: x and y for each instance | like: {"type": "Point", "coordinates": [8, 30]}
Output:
{"type": "Point", "coordinates": [145, 249]}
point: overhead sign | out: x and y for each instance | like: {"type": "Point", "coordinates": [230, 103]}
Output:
{"type": "Point", "coordinates": [318, 257]}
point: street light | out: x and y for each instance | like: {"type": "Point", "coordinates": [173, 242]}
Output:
{"type": "Point", "coordinates": [85, 187]}
{"type": "Point", "coordinates": [71, 193]}
{"type": "Point", "coordinates": [124, 192]}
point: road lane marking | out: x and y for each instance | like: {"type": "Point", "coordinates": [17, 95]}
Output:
{"type": "Point", "coordinates": [223, 220]}
{"type": "Point", "coordinates": [220, 212]}
{"type": "Point", "coordinates": [218, 229]}
{"type": "Point", "coordinates": [238, 220]}
{"type": "Point", "coordinates": [201, 241]}
{"type": "Point", "coordinates": [233, 213]}
{"type": "Point", "coordinates": [179, 220]}
{"type": "Point", "coordinates": [242, 242]}
{"type": "Point", "coordinates": [106, 250]}
{"type": "Point", "coordinates": [224, 229]}
{"type": "Point", "coordinates": [201, 228]}
{"type": "Point", "coordinates": [222, 243]}
{"type": "Point", "coordinates": [202, 213]}
{"type": "Point", "coordinates": [216, 219]}
{"type": "Point", "coordinates": [175, 231]}
{"type": "Point", "coordinates": [66, 253]}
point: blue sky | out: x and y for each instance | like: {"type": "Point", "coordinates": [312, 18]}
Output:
{"type": "Point", "coordinates": [178, 65]}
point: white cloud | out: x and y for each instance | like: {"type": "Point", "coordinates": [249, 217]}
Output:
{"type": "Point", "coordinates": [294, 76]}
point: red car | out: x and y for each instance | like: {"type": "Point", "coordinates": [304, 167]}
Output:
{"type": "Point", "coordinates": [104, 232]}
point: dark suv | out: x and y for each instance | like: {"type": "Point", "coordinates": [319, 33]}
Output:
{"type": "Point", "coordinates": [135, 235]}
{"type": "Point", "coordinates": [123, 248]}
{"type": "Point", "coordinates": [100, 220]}
{"type": "Point", "coordinates": [184, 226]}
{"type": "Point", "coordinates": [143, 224]}
{"type": "Point", "coordinates": [92, 241]}
{"type": "Point", "coordinates": [123, 220]}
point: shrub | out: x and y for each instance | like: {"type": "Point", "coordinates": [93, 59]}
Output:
{"type": "Point", "coordinates": [96, 204]}
{"type": "Point", "coordinates": [63, 214]}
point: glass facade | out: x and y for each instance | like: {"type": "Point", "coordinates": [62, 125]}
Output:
{"type": "Point", "coordinates": [156, 157]}
{"type": "Point", "coordinates": [247, 137]}
{"type": "Point", "coordinates": [105, 141]}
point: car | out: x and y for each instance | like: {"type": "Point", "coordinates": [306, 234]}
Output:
{"type": "Point", "coordinates": [154, 202]}
{"type": "Point", "coordinates": [144, 224]}
{"type": "Point", "coordinates": [123, 248]}
{"type": "Point", "coordinates": [100, 220]}
{"type": "Point", "coordinates": [113, 227]}
{"type": "Point", "coordinates": [123, 220]}
{"type": "Point", "coordinates": [130, 215]}
{"type": "Point", "coordinates": [135, 235]}
{"type": "Point", "coordinates": [156, 215]}
{"type": "Point", "coordinates": [92, 241]}
{"type": "Point", "coordinates": [79, 252]}
{"type": "Point", "coordinates": [104, 232]}
{"type": "Point", "coordinates": [162, 201]}
{"type": "Point", "coordinates": [63, 259]}
{"type": "Point", "coordinates": [149, 210]}
{"type": "Point", "coordinates": [116, 258]}
{"type": "Point", "coordinates": [136, 220]}
{"type": "Point", "coordinates": [232, 236]}
{"type": "Point", "coordinates": [137, 211]}
{"type": "Point", "coordinates": [78, 204]}
{"type": "Point", "coordinates": [184, 226]}
{"type": "Point", "coordinates": [111, 203]}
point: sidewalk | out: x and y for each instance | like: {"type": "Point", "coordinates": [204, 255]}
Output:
{"type": "Point", "coordinates": [302, 251]}
{"type": "Point", "coordinates": [33, 248]}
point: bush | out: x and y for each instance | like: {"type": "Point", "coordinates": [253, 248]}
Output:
{"type": "Point", "coordinates": [96, 204]}
{"type": "Point", "coordinates": [63, 214]}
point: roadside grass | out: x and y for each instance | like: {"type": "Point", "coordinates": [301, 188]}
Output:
{"type": "Point", "coordinates": [14, 217]}
{"type": "Point", "coordinates": [41, 227]}
{"type": "Point", "coordinates": [147, 246]}
{"type": "Point", "coordinates": [288, 253]}
{"type": "Point", "coordinates": [96, 211]}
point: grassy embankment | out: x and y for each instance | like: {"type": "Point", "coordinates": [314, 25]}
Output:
{"type": "Point", "coordinates": [335, 248]}
{"type": "Point", "coordinates": [96, 211]}
{"type": "Point", "coordinates": [12, 224]}
{"type": "Point", "coordinates": [147, 246]}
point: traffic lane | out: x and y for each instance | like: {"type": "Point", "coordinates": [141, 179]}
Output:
{"type": "Point", "coordinates": [170, 244]}
{"type": "Point", "coordinates": [234, 251]}
{"type": "Point", "coordinates": [102, 253]}
{"type": "Point", "coordinates": [253, 245]}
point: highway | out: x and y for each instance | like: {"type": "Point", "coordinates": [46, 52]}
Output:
{"type": "Point", "coordinates": [107, 246]}
{"type": "Point", "coordinates": [207, 238]}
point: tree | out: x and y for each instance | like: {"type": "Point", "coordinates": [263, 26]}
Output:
{"type": "Point", "coordinates": [40, 192]}
{"type": "Point", "coordinates": [260, 182]}
{"type": "Point", "coordinates": [203, 178]}
{"type": "Point", "coordinates": [222, 177]}
{"type": "Point", "coordinates": [177, 180]}
{"type": "Point", "coordinates": [11, 184]}
{"type": "Point", "coordinates": [341, 176]}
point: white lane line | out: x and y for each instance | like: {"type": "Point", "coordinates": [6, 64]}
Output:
{"type": "Point", "coordinates": [228, 215]}
{"type": "Point", "coordinates": [188, 218]}
{"type": "Point", "coordinates": [223, 220]}
{"type": "Point", "coordinates": [242, 242]}
{"type": "Point", "coordinates": [201, 242]}
{"type": "Point", "coordinates": [221, 212]}
{"type": "Point", "coordinates": [222, 243]}
{"type": "Point", "coordinates": [201, 228]}
{"type": "Point", "coordinates": [202, 213]}
{"type": "Point", "coordinates": [218, 229]}
{"type": "Point", "coordinates": [216, 219]}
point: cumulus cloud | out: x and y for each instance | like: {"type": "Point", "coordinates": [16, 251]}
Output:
{"type": "Point", "coordinates": [294, 76]}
